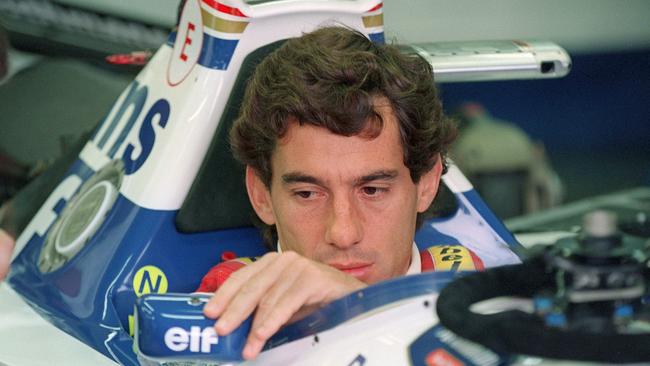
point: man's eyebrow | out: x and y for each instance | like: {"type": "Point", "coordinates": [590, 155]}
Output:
{"type": "Point", "coordinates": [377, 175]}
{"type": "Point", "coordinates": [297, 177]}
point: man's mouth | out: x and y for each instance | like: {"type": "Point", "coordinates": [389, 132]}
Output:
{"type": "Point", "coordinates": [358, 270]}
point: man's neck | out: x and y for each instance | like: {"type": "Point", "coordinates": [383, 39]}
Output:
{"type": "Point", "coordinates": [416, 264]}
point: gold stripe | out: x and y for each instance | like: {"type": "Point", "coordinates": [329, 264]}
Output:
{"type": "Point", "coordinates": [373, 20]}
{"type": "Point", "coordinates": [222, 25]}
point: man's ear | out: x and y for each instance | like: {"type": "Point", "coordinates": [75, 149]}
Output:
{"type": "Point", "coordinates": [428, 185]}
{"type": "Point", "coordinates": [260, 196]}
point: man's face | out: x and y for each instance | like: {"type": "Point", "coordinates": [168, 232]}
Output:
{"type": "Point", "coordinates": [348, 202]}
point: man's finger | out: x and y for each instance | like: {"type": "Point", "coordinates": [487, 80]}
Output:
{"type": "Point", "coordinates": [253, 348]}
{"type": "Point", "coordinates": [249, 295]}
{"type": "Point", "coordinates": [284, 299]}
{"type": "Point", "coordinates": [301, 295]}
{"type": "Point", "coordinates": [231, 287]}
{"type": "Point", "coordinates": [281, 289]}
{"type": "Point", "coordinates": [293, 299]}
{"type": "Point", "coordinates": [7, 244]}
{"type": "Point", "coordinates": [264, 329]}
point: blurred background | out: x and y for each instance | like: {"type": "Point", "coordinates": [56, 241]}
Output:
{"type": "Point", "coordinates": [587, 134]}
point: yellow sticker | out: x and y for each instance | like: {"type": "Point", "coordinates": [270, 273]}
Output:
{"type": "Point", "coordinates": [131, 325]}
{"type": "Point", "coordinates": [149, 279]}
{"type": "Point", "coordinates": [452, 258]}
{"type": "Point", "coordinates": [246, 260]}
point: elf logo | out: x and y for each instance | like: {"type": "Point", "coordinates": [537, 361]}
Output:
{"type": "Point", "coordinates": [178, 339]}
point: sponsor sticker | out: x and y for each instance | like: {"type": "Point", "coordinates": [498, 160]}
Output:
{"type": "Point", "coordinates": [195, 340]}
{"type": "Point", "coordinates": [454, 258]}
{"type": "Point", "coordinates": [440, 357]}
{"type": "Point", "coordinates": [149, 279]}
{"type": "Point", "coordinates": [188, 44]}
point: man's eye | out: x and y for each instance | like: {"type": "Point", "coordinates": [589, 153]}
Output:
{"type": "Point", "coordinates": [304, 194]}
{"type": "Point", "coordinates": [372, 191]}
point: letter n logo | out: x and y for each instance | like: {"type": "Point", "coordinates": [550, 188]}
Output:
{"type": "Point", "coordinates": [149, 279]}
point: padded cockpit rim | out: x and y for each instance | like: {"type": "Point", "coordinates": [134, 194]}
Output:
{"type": "Point", "coordinates": [217, 199]}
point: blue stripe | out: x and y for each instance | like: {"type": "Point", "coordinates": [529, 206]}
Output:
{"type": "Point", "coordinates": [377, 37]}
{"type": "Point", "coordinates": [216, 52]}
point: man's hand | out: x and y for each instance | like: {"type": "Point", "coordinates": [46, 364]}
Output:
{"type": "Point", "coordinates": [7, 244]}
{"type": "Point", "coordinates": [280, 288]}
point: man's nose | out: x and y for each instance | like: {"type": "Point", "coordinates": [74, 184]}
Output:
{"type": "Point", "coordinates": [344, 227]}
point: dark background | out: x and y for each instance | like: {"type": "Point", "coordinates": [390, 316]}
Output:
{"type": "Point", "coordinates": [594, 123]}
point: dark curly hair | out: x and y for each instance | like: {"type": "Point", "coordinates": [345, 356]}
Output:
{"type": "Point", "coordinates": [329, 78]}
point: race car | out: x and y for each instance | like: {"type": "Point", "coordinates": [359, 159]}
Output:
{"type": "Point", "coordinates": [153, 199]}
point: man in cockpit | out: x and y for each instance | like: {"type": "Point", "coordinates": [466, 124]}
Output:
{"type": "Point", "coordinates": [344, 143]}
